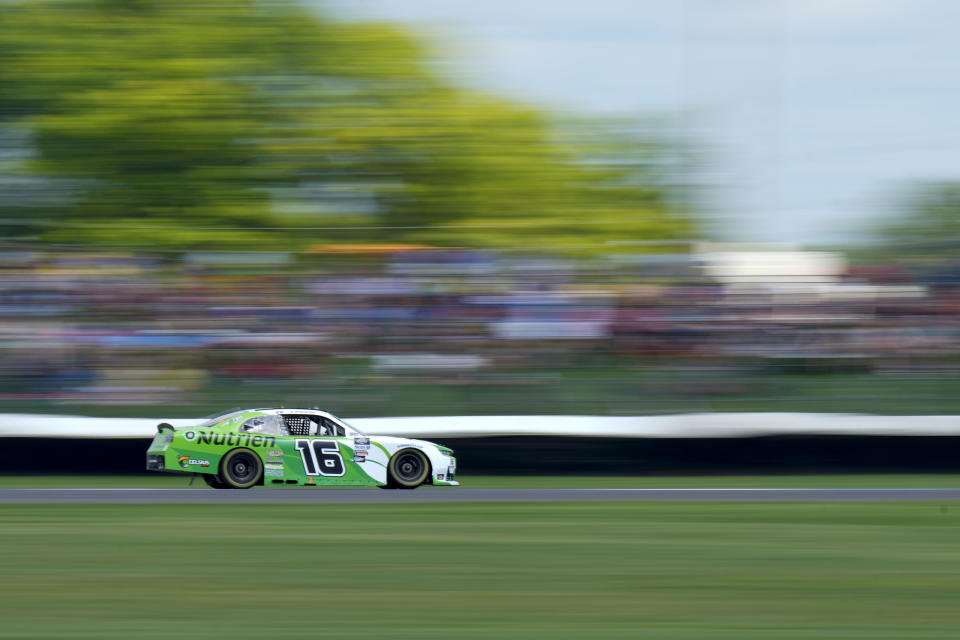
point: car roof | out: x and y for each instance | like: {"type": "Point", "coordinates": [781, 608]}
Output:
{"type": "Point", "coordinates": [293, 410]}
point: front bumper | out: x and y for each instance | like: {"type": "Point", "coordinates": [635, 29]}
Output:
{"type": "Point", "coordinates": [447, 478]}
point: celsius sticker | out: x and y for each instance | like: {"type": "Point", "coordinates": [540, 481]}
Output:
{"type": "Point", "coordinates": [186, 461]}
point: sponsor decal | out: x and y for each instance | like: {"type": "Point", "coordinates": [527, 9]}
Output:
{"type": "Point", "coordinates": [439, 476]}
{"type": "Point", "coordinates": [361, 441]}
{"type": "Point", "coordinates": [359, 458]}
{"type": "Point", "coordinates": [190, 436]}
{"type": "Point", "coordinates": [234, 439]}
{"type": "Point", "coordinates": [272, 472]}
{"type": "Point", "coordinates": [187, 461]}
{"type": "Point", "coordinates": [273, 466]}
{"type": "Point", "coordinates": [274, 452]}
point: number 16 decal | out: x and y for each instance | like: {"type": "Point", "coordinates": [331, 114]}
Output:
{"type": "Point", "coordinates": [320, 457]}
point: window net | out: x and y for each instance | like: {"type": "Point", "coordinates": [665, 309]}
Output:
{"type": "Point", "coordinates": [298, 425]}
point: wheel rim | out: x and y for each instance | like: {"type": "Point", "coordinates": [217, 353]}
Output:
{"type": "Point", "coordinates": [409, 467]}
{"type": "Point", "coordinates": [241, 469]}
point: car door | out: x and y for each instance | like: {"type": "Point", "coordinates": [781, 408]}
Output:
{"type": "Point", "coordinates": [324, 450]}
{"type": "Point", "coordinates": [326, 453]}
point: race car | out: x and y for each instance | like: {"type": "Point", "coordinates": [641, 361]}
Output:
{"type": "Point", "coordinates": [296, 447]}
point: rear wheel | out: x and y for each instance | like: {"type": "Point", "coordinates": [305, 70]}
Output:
{"type": "Point", "coordinates": [408, 469]}
{"type": "Point", "coordinates": [241, 469]}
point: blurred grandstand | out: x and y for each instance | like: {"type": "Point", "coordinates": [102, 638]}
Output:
{"type": "Point", "coordinates": [371, 330]}
{"type": "Point", "coordinates": [245, 202]}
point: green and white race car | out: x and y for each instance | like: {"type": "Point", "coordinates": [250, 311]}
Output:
{"type": "Point", "coordinates": [296, 447]}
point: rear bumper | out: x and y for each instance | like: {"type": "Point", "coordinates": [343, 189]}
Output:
{"type": "Point", "coordinates": [155, 462]}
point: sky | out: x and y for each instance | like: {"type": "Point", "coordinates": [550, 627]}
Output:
{"type": "Point", "coordinates": [813, 114]}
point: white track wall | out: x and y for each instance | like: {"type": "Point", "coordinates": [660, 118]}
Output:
{"type": "Point", "coordinates": [692, 425]}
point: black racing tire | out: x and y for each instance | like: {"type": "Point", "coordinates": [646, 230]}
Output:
{"type": "Point", "coordinates": [214, 482]}
{"type": "Point", "coordinates": [407, 469]}
{"type": "Point", "coordinates": [241, 469]}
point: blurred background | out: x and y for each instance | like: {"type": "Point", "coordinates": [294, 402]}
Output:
{"type": "Point", "coordinates": [390, 208]}
{"type": "Point", "coordinates": [450, 208]}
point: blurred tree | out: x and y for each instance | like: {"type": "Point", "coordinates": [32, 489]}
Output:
{"type": "Point", "coordinates": [240, 123]}
{"type": "Point", "coordinates": [926, 224]}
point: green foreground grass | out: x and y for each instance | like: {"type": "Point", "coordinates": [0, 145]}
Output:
{"type": "Point", "coordinates": [470, 571]}
{"type": "Point", "coordinates": [852, 481]}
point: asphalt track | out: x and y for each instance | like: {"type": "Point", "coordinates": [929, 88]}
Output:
{"type": "Point", "coordinates": [342, 496]}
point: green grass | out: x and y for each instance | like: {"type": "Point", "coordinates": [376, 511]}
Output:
{"type": "Point", "coordinates": [471, 571]}
{"type": "Point", "coordinates": [170, 481]}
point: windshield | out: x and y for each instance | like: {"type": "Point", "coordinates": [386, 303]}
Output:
{"type": "Point", "coordinates": [348, 425]}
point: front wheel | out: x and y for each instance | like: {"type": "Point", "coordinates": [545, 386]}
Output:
{"type": "Point", "coordinates": [408, 469]}
{"type": "Point", "coordinates": [241, 469]}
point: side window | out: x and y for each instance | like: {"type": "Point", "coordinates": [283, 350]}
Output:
{"type": "Point", "coordinates": [330, 428]}
{"type": "Point", "coordinates": [299, 425]}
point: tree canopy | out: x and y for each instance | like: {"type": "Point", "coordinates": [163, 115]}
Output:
{"type": "Point", "coordinates": [925, 224]}
{"type": "Point", "coordinates": [242, 123]}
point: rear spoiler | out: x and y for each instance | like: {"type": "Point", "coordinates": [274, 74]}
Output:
{"type": "Point", "coordinates": [164, 426]}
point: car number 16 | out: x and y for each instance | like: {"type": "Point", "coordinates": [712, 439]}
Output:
{"type": "Point", "coordinates": [320, 457]}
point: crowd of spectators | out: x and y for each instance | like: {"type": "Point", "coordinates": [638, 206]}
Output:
{"type": "Point", "coordinates": [114, 329]}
